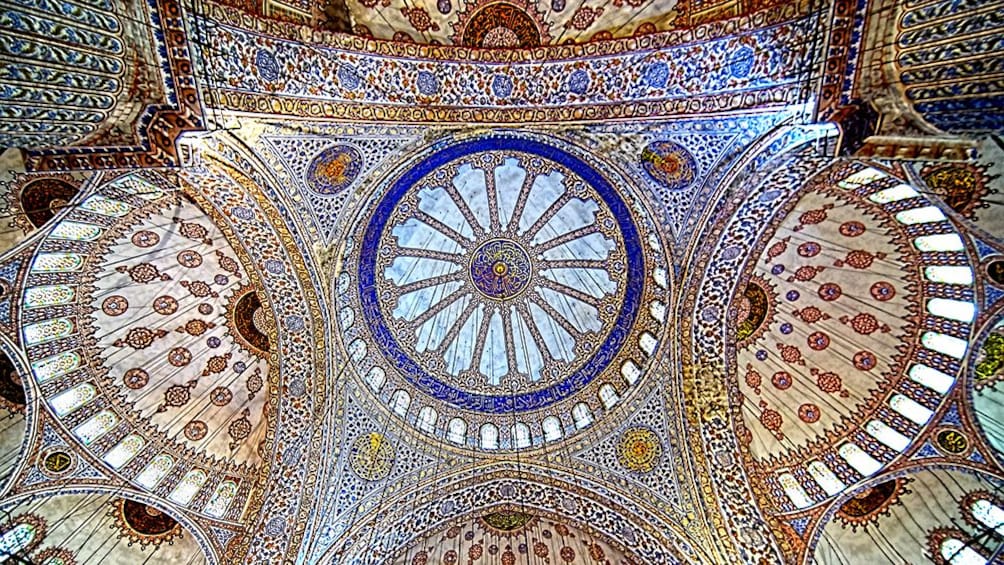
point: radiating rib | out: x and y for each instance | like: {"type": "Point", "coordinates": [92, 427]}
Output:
{"type": "Point", "coordinates": [574, 293]}
{"type": "Point", "coordinates": [517, 211]}
{"type": "Point", "coordinates": [547, 215]}
{"type": "Point", "coordinates": [458, 324]}
{"type": "Point", "coordinates": [576, 264]}
{"type": "Point", "coordinates": [440, 227]}
{"type": "Point", "coordinates": [557, 317]}
{"type": "Point", "coordinates": [434, 309]}
{"type": "Point", "coordinates": [565, 238]}
{"type": "Point", "coordinates": [431, 281]}
{"type": "Point", "coordinates": [538, 339]}
{"type": "Point", "coordinates": [454, 258]}
{"type": "Point", "coordinates": [510, 343]}
{"type": "Point", "coordinates": [482, 338]}
{"type": "Point", "coordinates": [493, 202]}
{"type": "Point", "coordinates": [465, 210]}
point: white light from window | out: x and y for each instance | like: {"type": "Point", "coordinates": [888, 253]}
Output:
{"type": "Point", "coordinates": [924, 215]}
{"type": "Point", "coordinates": [456, 431]}
{"type": "Point", "coordinates": [887, 436]}
{"type": "Point", "coordinates": [949, 345]}
{"type": "Point", "coordinates": [794, 491]}
{"type": "Point", "coordinates": [931, 378]}
{"type": "Point", "coordinates": [552, 428]}
{"type": "Point", "coordinates": [894, 194]}
{"type": "Point", "coordinates": [939, 242]}
{"type": "Point", "coordinates": [858, 459]}
{"type": "Point", "coordinates": [825, 478]}
{"type": "Point", "coordinates": [949, 275]}
{"type": "Point", "coordinates": [952, 309]}
{"type": "Point", "coordinates": [910, 409]}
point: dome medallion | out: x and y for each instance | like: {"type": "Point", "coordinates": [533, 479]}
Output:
{"type": "Point", "coordinates": [495, 279]}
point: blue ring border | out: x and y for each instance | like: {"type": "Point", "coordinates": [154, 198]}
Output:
{"type": "Point", "coordinates": [526, 401]}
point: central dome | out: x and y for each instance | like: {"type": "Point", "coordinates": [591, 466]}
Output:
{"type": "Point", "coordinates": [494, 276]}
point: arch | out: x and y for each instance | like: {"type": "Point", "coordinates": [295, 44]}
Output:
{"type": "Point", "coordinates": [568, 498]}
{"type": "Point", "coordinates": [89, 519]}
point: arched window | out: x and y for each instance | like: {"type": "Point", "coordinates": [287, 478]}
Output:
{"type": "Point", "coordinates": [552, 428]}
{"type": "Point", "coordinates": [987, 512]}
{"type": "Point", "coordinates": [956, 552]}
{"type": "Point", "coordinates": [825, 478]}
{"type": "Point", "coordinates": [608, 396]}
{"type": "Point", "coordinates": [427, 417]}
{"type": "Point", "coordinates": [910, 409]}
{"type": "Point", "coordinates": [97, 426]}
{"type": "Point", "coordinates": [949, 345]}
{"type": "Point", "coordinates": [581, 416]}
{"type": "Point", "coordinates": [457, 431]}
{"type": "Point", "coordinates": [858, 459]}
{"type": "Point", "coordinates": [23, 536]}
{"type": "Point", "coordinates": [125, 450]}
{"type": "Point", "coordinates": [155, 471]}
{"type": "Point", "coordinates": [399, 402]}
{"type": "Point", "coordinates": [72, 398]}
{"type": "Point", "coordinates": [521, 435]}
{"type": "Point", "coordinates": [489, 436]}
{"type": "Point", "coordinates": [221, 499]}
{"type": "Point", "coordinates": [188, 487]}
{"type": "Point", "coordinates": [792, 488]}
{"type": "Point", "coordinates": [375, 378]}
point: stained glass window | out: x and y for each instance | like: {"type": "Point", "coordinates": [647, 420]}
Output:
{"type": "Point", "coordinates": [939, 242]}
{"type": "Point", "coordinates": [73, 398]}
{"type": "Point", "coordinates": [887, 436]}
{"type": "Point", "coordinates": [954, 551]}
{"type": "Point", "coordinates": [581, 416]}
{"type": "Point", "coordinates": [399, 402]}
{"type": "Point", "coordinates": [155, 471]}
{"type": "Point", "coordinates": [49, 295]}
{"type": "Point", "coordinates": [76, 231]}
{"type": "Point", "coordinates": [608, 396]}
{"type": "Point", "coordinates": [16, 539]}
{"type": "Point", "coordinates": [949, 275]}
{"type": "Point", "coordinates": [910, 409]}
{"type": "Point", "coordinates": [55, 366]}
{"type": "Point", "coordinates": [792, 488]}
{"type": "Point", "coordinates": [188, 487]}
{"type": "Point", "coordinates": [931, 378]}
{"type": "Point", "coordinates": [489, 436]}
{"type": "Point", "coordinates": [858, 459]}
{"type": "Point", "coordinates": [988, 514]}
{"type": "Point", "coordinates": [57, 262]}
{"type": "Point", "coordinates": [923, 215]}
{"type": "Point", "coordinates": [952, 309]}
{"type": "Point", "coordinates": [457, 431]}
{"type": "Point", "coordinates": [125, 450]}
{"type": "Point", "coordinates": [630, 371]}
{"type": "Point", "coordinates": [48, 330]}
{"type": "Point", "coordinates": [97, 426]}
{"type": "Point", "coordinates": [521, 435]}
{"type": "Point", "coordinates": [825, 478]}
{"type": "Point", "coordinates": [427, 417]}
{"type": "Point", "coordinates": [105, 206]}
{"type": "Point", "coordinates": [221, 499]}
{"type": "Point", "coordinates": [552, 428]}
{"type": "Point", "coordinates": [951, 346]}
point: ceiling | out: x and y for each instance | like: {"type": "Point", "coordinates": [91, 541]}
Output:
{"type": "Point", "coordinates": [488, 291]}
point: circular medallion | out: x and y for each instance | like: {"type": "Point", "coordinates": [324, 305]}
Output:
{"type": "Point", "coordinates": [669, 164]}
{"type": "Point", "coordinates": [500, 269]}
{"type": "Point", "coordinates": [494, 278]}
{"type": "Point", "coordinates": [57, 462]}
{"type": "Point", "coordinates": [639, 450]}
{"type": "Point", "coordinates": [952, 441]}
{"type": "Point", "coordinates": [334, 169]}
{"type": "Point", "coordinates": [501, 25]}
{"type": "Point", "coordinates": [372, 457]}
